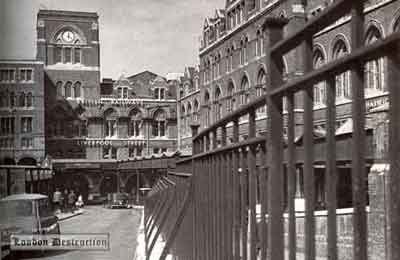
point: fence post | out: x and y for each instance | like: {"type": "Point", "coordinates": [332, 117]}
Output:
{"type": "Point", "coordinates": [274, 28]}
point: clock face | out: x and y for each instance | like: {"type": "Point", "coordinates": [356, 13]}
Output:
{"type": "Point", "coordinates": [68, 36]}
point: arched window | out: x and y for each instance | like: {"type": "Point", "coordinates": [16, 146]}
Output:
{"type": "Point", "coordinates": [183, 119]}
{"type": "Point", "coordinates": [217, 103]}
{"type": "Point", "coordinates": [244, 88]}
{"type": "Point", "coordinates": [77, 89]}
{"type": "Point", "coordinates": [110, 123]}
{"type": "Point", "coordinates": [227, 62]}
{"type": "Point", "coordinates": [188, 117]}
{"type": "Point", "coordinates": [319, 88]}
{"type": "Point", "coordinates": [21, 101]}
{"type": "Point", "coordinates": [207, 108]}
{"type": "Point", "coordinates": [259, 43]}
{"type": "Point", "coordinates": [159, 124]}
{"type": "Point", "coordinates": [342, 80]}
{"type": "Point", "coordinates": [261, 87]}
{"type": "Point", "coordinates": [59, 89]}
{"type": "Point", "coordinates": [374, 68]}
{"type": "Point", "coordinates": [230, 97]}
{"type": "Point", "coordinates": [68, 89]}
{"type": "Point", "coordinates": [231, 57]}
{"type": "Point", "coordinates": [195, 110]}
{"type": "Point", "coordinates": [135, 124]}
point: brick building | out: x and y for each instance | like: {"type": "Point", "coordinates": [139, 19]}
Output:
{"type": "Point", "coordinates": [233, 72]}
{"type": "Point", "coordinates": [22, 130]}
{"type": "Point", "coordinates": [87, 127]}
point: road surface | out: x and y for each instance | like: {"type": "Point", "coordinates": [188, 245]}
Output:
{"type": "Point", "coordinates": [122, 224]}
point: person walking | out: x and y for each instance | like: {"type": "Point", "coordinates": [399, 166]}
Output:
{"type": "Point", "coordinates": [57, 200]}
{"type": "Point", "coordinates": [71, 201]}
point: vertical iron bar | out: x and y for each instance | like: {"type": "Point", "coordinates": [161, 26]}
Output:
{"type": "Point", "coordinates": [359, 176]}
{"type": "Point", "coordinates": [308, 142]}
{"type": "Point", "coordinates": [264, 205]}
{"type": "Point", "coordinates": [274, 141]}
{"type": "Point", "coordinates": [243, 203]}
{"type": "Point", "coordinates": [252, 187]}
{"type": "Point", "coordinates": [331, 179]}
{"type": "Point", "coordinates": [394, 156]}
{"type": "Point", "coordinates": [291, 177]}
{"type": "Point", "coordinates": [236, 192]}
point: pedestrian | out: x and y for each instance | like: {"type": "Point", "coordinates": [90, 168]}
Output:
{"type": "Point", "coordinates": [79, 202]}
{"type": "Point", "coordinates": [71, 201]}
{"type": "Point", "coordinates": [57, 200]}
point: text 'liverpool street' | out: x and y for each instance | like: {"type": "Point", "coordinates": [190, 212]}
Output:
{"type": "Point", "coordinates": [281, 143]}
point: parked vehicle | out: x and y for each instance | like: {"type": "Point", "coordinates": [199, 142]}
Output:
{"type": "Point", "coordinates": [28, 214]}
{"type": "Point", "coordinates": [118, 200]}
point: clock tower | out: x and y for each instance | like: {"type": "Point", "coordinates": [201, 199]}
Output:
{"type": "Point", "coordinates": [68, 44]}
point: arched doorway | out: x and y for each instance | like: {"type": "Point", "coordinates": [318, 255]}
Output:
{"type": "Point", "coordinates": [108, 184]}
{"type": "Point", "coordinates": [80, 185]}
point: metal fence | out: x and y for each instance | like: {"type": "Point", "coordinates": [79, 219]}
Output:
{"type": "Point", "coordinates": [228, 178]}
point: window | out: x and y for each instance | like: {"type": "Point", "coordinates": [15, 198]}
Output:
{"type": "Point", "coordinates": [26, 124]}
{"type": "Point", "coordinates": [7, 75]}
{"type": "Point", "coordinates": [259, 43]}
{"type": "Point", "coordinates": [261, 87]}
{"type": "Point", "coordinates": [68, 55]}
{"type": "Point", "coordinates": [7, 126]}
{"type": "Point", "coordinates": [77, 89]}
{"type": "Point", "coordinates": [59, 89]}
{"type": "Point", "coordinates": [29, 100]}
{"type": "Point", "coordinates": [164, 150]}
{"type": "Point", "coordinates": [342, 80]}
{"type": "Point", "coordinates": [244, 87]}
{"type": "Point", "coordinates": [217, 105]}
{"type": "Point", "coordinates": [374, 68]}
{"type": "Point", "coordinates": [319, 88]}
{"type": "Point", "coordinates": [113, 153]}
{"type": "Point", "coordinates": [21, 101]}
{"type": "Point", "coordinates": [12, 99]}
{"type": "Point", "coordinates": [68, 89]}
{"type": "Point", "coordinates": [135, 123]}
{"type": "Point", "coordinates": [111, 128]}
{"type": "Point", "coordinates": [159, 124]}
{"type": "Point", "coordinates": [156, 150]}
{"type": "Point", "coordinates": [26, 142]}
{"type": "Point", "coordinates": [77, 55]}
{"type": "Point", "coordinates": [230, 99]}
{"type": "Point", "coordinates": [58, 55]}
{"type": "Point", "coordinates": [125, 93]}
{"type": "Point", "coordinates": [25, 75]}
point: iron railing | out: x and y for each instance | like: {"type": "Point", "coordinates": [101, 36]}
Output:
{"type": "Point", "coordinates": [223, 189]}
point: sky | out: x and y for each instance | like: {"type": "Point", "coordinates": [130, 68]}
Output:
{"type": "Point", "coordinates": [135, 35]}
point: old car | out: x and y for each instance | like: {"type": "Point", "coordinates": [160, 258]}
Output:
{"type": "Point", "coordinates": [118, 200]}
{"type": "Point", "coordinates": [27, 214]}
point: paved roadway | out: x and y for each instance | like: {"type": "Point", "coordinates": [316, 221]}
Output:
{"type": "Point", "coordinates": [122, 224]}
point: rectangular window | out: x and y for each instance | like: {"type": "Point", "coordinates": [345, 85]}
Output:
{"type": "Point", "coordinates": [162, 93]}
{"type": "Point", "coordinates": [25, 75]}
{"type": "Point", "coordinates": [155, 129]}
{"type": "Point", "coordinates": [67, 54]}
{"type": "Point", "coordinates": [156, 150]}
{"type": "Point", "coordinates": [162, 128]}
{"type": "Point", "coordinates": [7, 125]}
{"type": "Point", "coordinates": [164, 150]}
{"type": "Point", "coordinates": [58, 55]}
{"type": "Point", "coordinates": [77, 55]}
{"type": "Point", "coordinates": [26, 125]}
{"type": "Point", "coordinates": [27, 143]}
{"type": "Point", "coordinates": [156, 93]}
{"type": "Point", "coordinates": [131, 152]}
{"type": "Point", "coordinates": [125, 93]}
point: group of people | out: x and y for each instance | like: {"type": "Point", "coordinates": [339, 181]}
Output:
{"type": "Point", "coordinates": [67, 201]}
